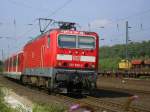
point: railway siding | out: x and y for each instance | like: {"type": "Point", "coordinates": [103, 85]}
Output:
{"type": "Point", "coordinates": [129, 74]}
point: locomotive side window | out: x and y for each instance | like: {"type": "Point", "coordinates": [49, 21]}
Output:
{"type": "Point", "coordinates": [67, 41]}
{"type": "Point", "coordinates": [48, 41]}
{"type": "Point", "coordinates": [86, 42]}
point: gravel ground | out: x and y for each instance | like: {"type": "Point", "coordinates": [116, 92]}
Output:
{"type": "Point", "coordinates": [120, 90]}
{"type": "Point", "coordinates": [124, 83]}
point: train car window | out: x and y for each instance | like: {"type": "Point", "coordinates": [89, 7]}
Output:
{"type": "Point", "coordinates": [18, 61]}
{"type": "Point", "coordinates": [86, 42]}
{"type": "Point", "coordinates": [11, 62]}
{"type": "Point", "coordinates": [67, 41]}
{"type": "Point", "coordinates": [14, 62]}
{"type": "Point", "coordinates": [6, 64]}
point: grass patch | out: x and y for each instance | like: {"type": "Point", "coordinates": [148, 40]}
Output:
{"type": "Point", "coordinates": [3, 105]}
{"type": "Point", "coordinates": [48, 108]}
{"type": "Point", "coordinates": [38, 107]}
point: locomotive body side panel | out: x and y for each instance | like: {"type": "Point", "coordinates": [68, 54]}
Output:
{"type": "Point", "coordinates": [40, 56]}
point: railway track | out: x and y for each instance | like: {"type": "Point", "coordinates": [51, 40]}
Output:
{"type": "Point", "coordinates": [133, 91]}
{"type": "Point", "coordinates": [111, 106]}
{"type": "Point", "coordinates": [85, 102]}
{"type": "Point", "coordinates": [129, 74]}
{"type": "Point", "coordinates": [97, 104]}
{"type": "Point", "coordinates": [115, 106]}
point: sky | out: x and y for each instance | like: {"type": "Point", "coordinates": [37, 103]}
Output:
{"type": "Point", "coordinates": [18, 20]}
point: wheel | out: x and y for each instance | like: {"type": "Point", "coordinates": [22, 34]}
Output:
{"type": "Point", "coordinates": [50, 86]}
{"type": "Point", "coordinates": [69, 88]}
{"type": "Point", "coordinates": [24, 80]}
{"type": "Point", "coordinates": [92, 88]}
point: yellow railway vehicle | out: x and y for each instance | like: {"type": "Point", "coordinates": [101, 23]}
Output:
{"type": "Point", "coordinates": [124, 65]}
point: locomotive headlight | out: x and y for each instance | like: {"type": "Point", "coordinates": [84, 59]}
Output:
{"type": "Point", "coordinates": [83, 53]}
{"type": "Point", "coordinates": [70, 52]}
{"type": "Point", "coordinates": [59, 64]}
{"type": "Point", "coordinates": [76, 52]}
{"type": "Point", "coordinates": [93, 66]}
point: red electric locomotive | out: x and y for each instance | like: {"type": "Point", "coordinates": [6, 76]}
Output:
{"type": "Point", "coordinates": [63, 59]}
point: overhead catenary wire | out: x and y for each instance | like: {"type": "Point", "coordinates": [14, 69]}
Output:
{"type": "Point", "coordinates": [131, 33]}
{"type": "Point", "coordinates": [51, 14]}
{"type": "Point", "coordinates": [18, 3]}
{"type": "Point", "coordinates": [35, 20]}
{"type": "Point", "coordinates": [141, 27]}
{"type": "Point", "coordinates": [124, 18]}
{"type": "Point", "coordinates": [59, 8]}
{"type": "Point", "coordinates": [68, 2]}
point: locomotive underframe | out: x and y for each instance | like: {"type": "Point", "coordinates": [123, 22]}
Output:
{"type": "Point", "coordinates": [62, 80]}
{"type": "Point", "coordinates": [75, 80]}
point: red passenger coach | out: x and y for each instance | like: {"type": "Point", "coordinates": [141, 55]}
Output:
{"type": "Point", "coordinates": [62, 59]}
{"type": "Point", "coordinates": [14, 66]}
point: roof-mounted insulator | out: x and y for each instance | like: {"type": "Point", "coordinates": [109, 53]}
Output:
{"type": "Point", "coordinates": [67, 25]}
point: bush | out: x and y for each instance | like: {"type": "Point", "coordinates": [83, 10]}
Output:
{"type": "Point", "coordinates": [109, 63]}
{"type": "Point", "coordinates": [1, 69]}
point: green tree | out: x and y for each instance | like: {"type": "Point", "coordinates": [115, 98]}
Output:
{"type": "Point", "coordinates": [109, 56]}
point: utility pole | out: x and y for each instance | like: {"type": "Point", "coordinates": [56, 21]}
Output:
{"type": "Point", "coordinates": [8, 51]}
{"type": "Point", "coordinates": [127, 40]}
{"type": "Point", "coordinates": [15, 27]}
{"type": "Point", "coordinates": [89, 26]}
{"type": "Point", "coordinates": [2, 55]}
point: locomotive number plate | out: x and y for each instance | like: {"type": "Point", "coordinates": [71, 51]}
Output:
{"type": "Point", "coordinates": [76, 58]}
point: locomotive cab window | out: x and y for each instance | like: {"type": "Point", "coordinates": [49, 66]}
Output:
{"type": "Point", "coordinates": [75, 41]}
{"type": "Point", "coordinates": [86, 42]}
{"type": "Point", "coordinates": [67, 41]}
